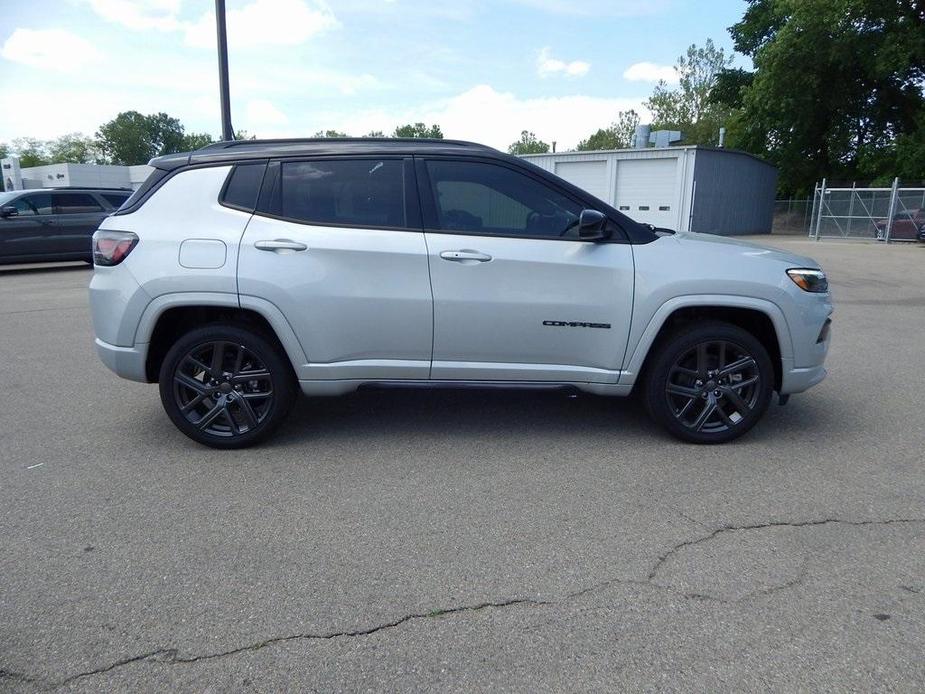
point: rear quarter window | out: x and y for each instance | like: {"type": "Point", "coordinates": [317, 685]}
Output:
{"type": "Point", "coordinates": [243, 186]}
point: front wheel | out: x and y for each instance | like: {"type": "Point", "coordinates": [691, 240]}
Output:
{"type": "Point", "coordinates": [709, 384]}
{"type": "Point", "coordinates": [226, 387]}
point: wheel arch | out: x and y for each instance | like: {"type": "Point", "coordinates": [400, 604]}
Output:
{"type": "Point", "coordinates": [168, 317]}
{"type": "Point", "coordinates": [762, 319]}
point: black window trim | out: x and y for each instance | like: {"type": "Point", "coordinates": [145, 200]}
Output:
{"type": "Point", "coordinates": [411, 203]}
{"type": "Point", "coordinates": [429, 206]}
{"type": "Point", "coordinates": [224, 190]}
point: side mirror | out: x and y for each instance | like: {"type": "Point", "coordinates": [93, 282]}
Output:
{"type": "Point", "coordinates": [592, 226]}
{"type": "Point", "coordinates": [8, 211]}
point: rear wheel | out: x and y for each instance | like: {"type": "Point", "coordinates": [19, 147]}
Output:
{"type": "Point", "coordinates": [225, 386]}
{"type": "Point", "coordinates": [710, 384]}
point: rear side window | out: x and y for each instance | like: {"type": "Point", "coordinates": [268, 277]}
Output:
{"type": "Point", "coordinates": [75, 203]}
{"type": "Point", "coordinates": [348, 192]}
{"type": "Point", "coordinates": [115, 199]}
{"type": "Point", "coordinates": [243, 186]}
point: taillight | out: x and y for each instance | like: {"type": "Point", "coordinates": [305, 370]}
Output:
{"type": "Point", "coordinates": [112, 247]}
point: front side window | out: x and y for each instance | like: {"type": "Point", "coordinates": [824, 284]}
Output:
{"type": "Point", "coordinates": [484, 198]}
{"type": "Point", "coordinates": [75, 203]}
{"type": "Point", "coordinates": [31, 205]}
{"type": "Point", "coordinates": [349, 192]}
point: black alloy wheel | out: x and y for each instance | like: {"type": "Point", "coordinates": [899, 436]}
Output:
{"type": "Point", "coordinates": [226, 387]}
{"type": "Point", "coordinates": [710, 384]}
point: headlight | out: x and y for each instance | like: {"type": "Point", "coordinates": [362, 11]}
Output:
{"type": "Point", "coordinates": [809, 280]}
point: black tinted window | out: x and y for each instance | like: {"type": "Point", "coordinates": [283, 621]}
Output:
{"type": "Point", "coordinates": [490, 199]}
{"type": "Point", "coordinates": [360, 192]}
{"type": "Point", "coordinates": [243, 185]}
{"type": "Point", "coordinates": [115, 199]}
{"type": "Point", "coordinates": [75, 203]}
{"type": "Point", "coordinates": [38, 203]}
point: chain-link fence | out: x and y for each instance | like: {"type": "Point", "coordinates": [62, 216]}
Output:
{"type": "Point", "coordinates": [883, 214]}
{"type": "Point", "coordinates": [792, 217]}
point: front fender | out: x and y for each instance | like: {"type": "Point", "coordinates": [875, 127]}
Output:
{"type": "Point", "coordinates": [639, 345]}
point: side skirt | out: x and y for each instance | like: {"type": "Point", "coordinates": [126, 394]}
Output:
{"type": "Point", "coordinates": [342, 386]}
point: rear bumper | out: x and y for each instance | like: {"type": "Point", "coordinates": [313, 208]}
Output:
{"type": "Point", "coordinates": [127, 362]}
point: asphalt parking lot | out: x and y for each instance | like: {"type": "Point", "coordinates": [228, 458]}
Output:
{"type": "Point", "coordinates": [465, 540]}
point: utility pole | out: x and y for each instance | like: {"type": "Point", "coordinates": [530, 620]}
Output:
{"type": "Point", "coordinates": [227, 130]}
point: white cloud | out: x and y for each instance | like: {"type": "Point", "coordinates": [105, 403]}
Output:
{"type": "Point", "coordinates": [266, 22]}
{"type": "Point", "coordinates": [50, 49]}
{"type": "Point", "coordinates": [546, 65]}
{"type": "Point", "coordinates": [650, 72]}
{"type": "Point", "coordinates": [495, 118]}
{"type": "Point", "coordinates": [262, 114]}
{"type": "Point", "coordinates": [139, 14]}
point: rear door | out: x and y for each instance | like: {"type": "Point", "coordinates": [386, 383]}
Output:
{"type": "Point", "coordinates": [517, 297]}
{"type": "Point", "coordinates": [78, 215]}
{"type": "Point", "coordinates": [30, 232]}
{"type": "Point", "coordinates": [337, 245]}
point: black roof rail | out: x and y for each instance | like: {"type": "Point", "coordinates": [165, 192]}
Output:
{"type": "Point", "coordinates": [232, 151]}
{"type": "Point", "coordinates": [110, 188]}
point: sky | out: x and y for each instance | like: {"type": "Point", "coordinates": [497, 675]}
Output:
{"type": "Point", "coordinates": [484, 70]}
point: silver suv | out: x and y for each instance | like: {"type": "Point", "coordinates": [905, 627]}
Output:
{"type": "Point", "coordinates": [246, 271]}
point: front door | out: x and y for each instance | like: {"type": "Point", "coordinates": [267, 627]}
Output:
{"type": "Point", "coordinates": [29, 233]}
{"type": "Point", "coordinates": [516, 295]}
{"type": "Point", "coordinates": [337, 247]}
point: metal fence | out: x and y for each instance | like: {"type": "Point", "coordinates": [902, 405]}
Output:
{"type": "Point", "coordinates": [883, 214]}
{"type": "Point", "coordinates": [792, 217]}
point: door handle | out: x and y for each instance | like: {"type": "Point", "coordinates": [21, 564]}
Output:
{"type": "Point", "coordinates": [280, 246]}
{"type": "Point", "coordinates": [464, 255]}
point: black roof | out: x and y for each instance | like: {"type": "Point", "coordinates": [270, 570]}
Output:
{"type": "Point", "coordinates": [239, 150]}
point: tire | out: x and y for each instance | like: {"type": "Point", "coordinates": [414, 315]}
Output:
{"type": "Point", "coordinates": [228, 401]}
{"type": "Point", "coordinates": [709, 384]}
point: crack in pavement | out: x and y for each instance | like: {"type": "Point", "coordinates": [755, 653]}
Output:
{"type": "Point", "coordinates": [773, 524]}
{"type": "Point", "coordinates": [172, 655]}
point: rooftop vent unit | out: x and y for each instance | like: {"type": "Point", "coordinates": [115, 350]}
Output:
{"type": "Point", "coordinates": [665, 138]}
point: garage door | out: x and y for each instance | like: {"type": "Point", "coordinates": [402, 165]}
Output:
{"type": "Point", "coordinates": [587, 175]}
{"type": "Point", "coordinates": [647, 191]}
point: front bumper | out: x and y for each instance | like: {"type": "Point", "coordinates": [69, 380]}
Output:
{"type": "Point", "coordinates": [127, 362]}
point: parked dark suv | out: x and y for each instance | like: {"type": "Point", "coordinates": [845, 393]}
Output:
{"type": "Point", "coordinates": [53, 224]}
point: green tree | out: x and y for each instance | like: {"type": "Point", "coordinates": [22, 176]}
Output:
{"type": "Point", "coordinates": [689, 107]}
{"type": "Point", "coordinates": [4, 150]}
{"type": "Point", "coordinates": [618, 135]}
{"type": "Point", "coordinates": [133, 138]}
{"type": "Point", "coordinates": [330, 133]}
{"type": "Point", "coordinates": [31, 152]}
{"type": "Point", "coordinates": [419, 130]}
{"type": "Point", "coordinates": [375, 133]}
{"type": "Point", "coordinates": [528, 144]}
{"type": "Point", "coordinates": [243, 135]}
{"type": "Point", "coordinates": [73, 148]}
{"type": "Point", "coordinates": [837, 89]}
{"type": "Point", "coordinates": [193, 141]}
